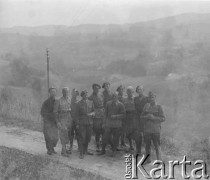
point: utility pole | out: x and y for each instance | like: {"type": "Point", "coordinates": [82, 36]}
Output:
{"type": "Point", "coordinates": [48, 76]}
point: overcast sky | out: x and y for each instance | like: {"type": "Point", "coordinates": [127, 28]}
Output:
{"type": "Point", "coordinates": [74, 12]}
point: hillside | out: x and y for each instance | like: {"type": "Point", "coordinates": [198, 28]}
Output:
{"type": "Point", "coordinates": [169, 56]}
{"type": "Point", "coordinates": [98, 45]}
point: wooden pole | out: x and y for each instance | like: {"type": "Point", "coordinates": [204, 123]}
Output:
{"type": "Point", "coordinates": [48, 75]}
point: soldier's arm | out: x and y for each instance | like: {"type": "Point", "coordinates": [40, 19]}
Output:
{"type": "Point", "coordinates": [56, 110]}
{"type": "Point", "coordinates": [76, 113]}
{"type": "Point", "coordinates": [43, 110]}
{"type": "Point", "coordinates": [121, 113]}
{"type": "Point", "coordinates": [144, 114]}
{"type": "Point", "coordinates": [160, 117]}
{"type": "Point", "coordinates": [135, 103]}
{"type": "Point", "coordinates": [106, 114]}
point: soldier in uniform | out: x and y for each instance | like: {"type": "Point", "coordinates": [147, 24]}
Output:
{"type": "Point", "coordinates": [114, 113]}
{"type": "Point", "coordinates": [84, 115]}
{"type": "Point", "coordinates": [73, 131]}
{"type": "Point", "coordinates": [107, 94]}
{"type": "Point", "coordinates": [130, 116]}
{"type": "Point", "coordinates": [50, 128]}
{"type": "Point", "coordinates": [64, 121]}
{"type": "Point", "coordinates": [98, 108]}
{"type": "Point", "coordinates": [153, 116]}
{"type": "Point", "coordinates": [140, 101]}
{"type": "Point", "coordinates": [122, 131]}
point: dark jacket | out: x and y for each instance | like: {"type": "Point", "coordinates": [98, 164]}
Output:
{"type": "Point", "coordinates": [83, 108]}
{"type": "Point", "coordinates": [47, 110]}
{"type": "Point", "coordinates": [153, 125]}
{"type": "Point", "coordinates": [117, 109]}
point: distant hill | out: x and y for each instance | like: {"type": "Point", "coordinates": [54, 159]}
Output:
{"type": "Point", "coordinates": [98, 45]}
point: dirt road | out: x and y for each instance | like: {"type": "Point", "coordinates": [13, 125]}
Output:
{"type": "Point", "coordinates": [98, 167]}
{"type": "Point", "coordinates": [33, 142]}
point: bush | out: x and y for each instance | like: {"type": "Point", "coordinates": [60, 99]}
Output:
{"type": "Point", "coordinates": [200, 149]}
{"type": "Point", "coordinates": [169, 147]}
{"type": "Point", "coordinates": [23, 75]}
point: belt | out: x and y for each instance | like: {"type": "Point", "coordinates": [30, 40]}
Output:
{"type": "Point", "coordinates": [62, 112]}
{"type": "Point", "coordinates": [100, 108]}
{"type": "Point", "coordinates": [131, 112]}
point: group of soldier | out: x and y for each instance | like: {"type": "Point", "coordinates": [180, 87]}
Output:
{"type": "Point", "coordinates": [113, 118]}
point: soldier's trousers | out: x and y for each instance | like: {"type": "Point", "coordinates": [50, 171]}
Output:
{"type": "Point", "coordinates": [50, 131]}
{"type": "Point", "coordinates": [72, 133]}
{"type": "Point", "coordinates": [122, 134]}
{"type": "Point", "coordinates": [155, 138]}
{"type": "Point", "coordinates": [112, 134]}
{"type": "Point", "coordinates": [85, 132]}
{"type": "Point", "coordinates": [97, 129]}
{"type": "Point", "coordinates": [66, 126]}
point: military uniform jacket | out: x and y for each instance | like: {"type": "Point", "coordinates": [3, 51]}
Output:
{"type": "Point", "coordinates": [62, 105]}
{"type": "Point", "coordinates": [98, 104]}
{"type": "Point", "coordinates": [140, 102]}
{"type": "Point", "coordinates": [83, 108]}
{"type": "Point", "coordinates": [47, 110]}
{"type": "Point", "coordinates": [153, 126]}
{"type": "Point", "coordinates": [107, 97]}
{"type": "Point", "coordinates": [73, 108]}
{"type": "Point", "coordinates": [121, 99]}
{"type": "Point", "coordinates": [113, 108]}
{"type": "Point", "coordinates": [129, 105]}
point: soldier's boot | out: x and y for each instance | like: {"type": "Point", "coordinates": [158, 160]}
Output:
{"type": "Point", "coordinates": [103, 151]}
{"type": "Point", "coordinates": [49, 152]}
{"type": "Point", "coordinates": [131, 144]}
{"type": "Point", "coordinates": [69, 151]}
{"type": "Point", "coordinates": [81, 149]}
{"type": "Point", "coordinates": [97, 147]}
{"type": "Point", "coordinates": [71, 142]}
{"type": "Point", "coordinates": [113, 154]}
{"type": "Point", "coordinates": [158, 153]}
{"type": "Point", "coordinates": [78, 144]}
{"type": "Point", "coordinates": [53, 151]}
{"type": "Point", "coordinates": [63, 151]}
{"type": "Point", "coordinates": [86, 150]}
{"type": "Point", "coordinates": [123, 141]}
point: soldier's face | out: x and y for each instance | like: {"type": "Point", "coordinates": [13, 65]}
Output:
{"type": "Point", "coordinates": [85, 96]}
{"type": "Point", "coordinates": [152, 100]}
{"type": "Point", "coordinates": [106, 87]}
{"type": "Point", "coordinates": [115, 97]}
{"type": "Point", "coordinates": [129, 93]}
{"type": "Point", "coordinates": [121, 91]}
{"type": "Point", "coordinates": [140, 91]}
{"type": "Point", "coordinates": [53, 92]}
{"type": "Point", "coordinates": [65, 93]}
{"type": "Point", "coordinates": [96, 89]}
{"type": "Point", "coordinates": [74, 94]}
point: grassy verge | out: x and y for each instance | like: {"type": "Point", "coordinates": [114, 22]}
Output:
{"type": "Point", "coordinates": [32, 125]}
{"type": "Point", "coordinates": [15, 164]}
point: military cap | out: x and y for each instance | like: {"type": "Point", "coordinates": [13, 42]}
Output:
{"type": "Point", "coordinates": [104, 84]}
{"type": "Point", "coordinates": [96, 85]}
{"type": "Point", "coordinates": [119, 87]}
{"type": "Point", "coordinates": [130, 88]}
{"type": "Point", "coordinates": [52, 88]}
{"type": "Point", "coordinates": [83, 93]}
{"type": "Point", "coordinates": [76, 91]}
{"type": "Point", "coordinates": [65, 88]}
